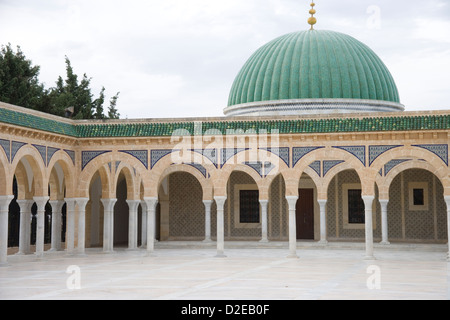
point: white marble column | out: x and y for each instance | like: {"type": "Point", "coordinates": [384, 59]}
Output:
{"type": "Point", "coordinates": [220, 202]}
{"type": "Point", "coordinates": [82, 202]}
{"type": "Point", "coordinates": [70, 225]}
{"type": "Point", "coordinates": [384, 222]}
{"type": "Point", "coordinates": [151, 208]}
{"type": "Point", "coordinates": [447, 202]}
{"type": "Point", "coordinates": [25, 226]}
{"type": "Point", "coordinates": [207, 204]}
{"type": "Point", "coordinates": [133, 223]}
{"type": "Point", "coordinates": [292, 202]}
{"type": "Point", "coordinates": [368, 201]}
{"type": "Point", "coordinates": [144, 225]}
{"type": "Point", "coordinates": [56, 224]}
{"type": "Point", "coordinates": [40, 225]}
{"type": "Point", "coordinates": [4, 211]}
{"type": "Point", "coordinates": [323, 221]}
{"type": "Point", "coordinates": [108, 224]}
{"type": "Point", "coordinates": [264, 236]}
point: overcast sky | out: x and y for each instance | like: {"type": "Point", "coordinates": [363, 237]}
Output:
{"type": "Point", "coordinates": [179, 58]}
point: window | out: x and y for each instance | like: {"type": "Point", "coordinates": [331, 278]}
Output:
{"type": "Point", "coordinates": [418, 197]}
{"type": "Point", "coordinates": [248, 206]}
{"type": "Point", "coordinates": [356, 212]}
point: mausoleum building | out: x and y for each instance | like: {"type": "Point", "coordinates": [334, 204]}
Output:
{"type": "Point", "coordinates": [315, 146]}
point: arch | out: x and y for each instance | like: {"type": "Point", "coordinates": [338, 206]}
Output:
{"type": "Point", "coordinates": [102, 161]}
{"type": "Point", "coordinates": [127, 171]}
{"type": "Point", "coordinates": [204, 183]}
{"type": "Point", "coordinates": [220, 184]}
{"type": "Point", "coordinates": [384, 183]}
{"type": "Point", "coordinates": [65, 162]}
{"type": "Point", "coordinates": [34, 165]}
{"type": "Point", "coordinates": [409, 152]}
{"type": "Point", "coordinates": [263, 179]}
{"type": "Point", "coordinates": [322, 154]}
{"type": "Point", "coordinates": [181, 211]}
{"type": "Point", "coordinates": [173, 162]}
{"type": "Point", "coordinates": [342, 222]}
{"type": "Point", "coordinates": [408, 220]}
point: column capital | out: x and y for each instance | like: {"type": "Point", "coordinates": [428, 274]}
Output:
{"type": "Point", "coordinates": [368, 201]}
{"type": "Point", "coordinates": [6, 199]}
{"type": "Point", "coordinates": [81, 202]}
{"type": "Point", "coordinates": [151, 202]}
{"type": "Point", "coordinates": [263, 201]}
{"type": "Point", "coordinates": [108, 204]}
{"type": "Point", "coordinates": [292, 200]}
{"type": "Point", "coordinates": [25, 204]}
{"type": "Point", "coordinates": [208, 202]}
{"type": "Point", "coordinates": [220, 201]}
{"type": "Point", "coordinates": [41, 201]}
{"type": "Point", "coordinates": [133, 204]}
{"type": "Point", "coordinates": [70, 202]}
{"type": "Point", "coordinates": [322, 202]}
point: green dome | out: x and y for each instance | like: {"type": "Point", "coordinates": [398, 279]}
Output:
{"type": "Point", "coordinates": [313, 64]}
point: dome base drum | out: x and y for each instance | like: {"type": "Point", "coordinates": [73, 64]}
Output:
{"type": "Point", "coordinates": [311, 107]}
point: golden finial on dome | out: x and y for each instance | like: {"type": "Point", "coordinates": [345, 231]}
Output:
{"type": "Point", "coordinates": [312, 20]}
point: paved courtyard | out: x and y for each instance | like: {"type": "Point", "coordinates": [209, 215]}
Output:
{"type": "Point", "coordinates": [176, 273]}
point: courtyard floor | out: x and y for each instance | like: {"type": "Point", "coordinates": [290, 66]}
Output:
{"type": "Point", "coordinates": [190, 272]}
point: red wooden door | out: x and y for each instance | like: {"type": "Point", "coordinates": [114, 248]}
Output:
{"type": "Point", "coordinates": [305, 214]}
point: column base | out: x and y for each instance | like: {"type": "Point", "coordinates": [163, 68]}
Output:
{"type": "Point", "coordinates": [369, 258]}
{"type": "Point", "coordinates": [264, 241]}
{"type": "Point", "coordinates": [207, 241]}
{"type": "Point", "coordinates": [385, 243]}
{"type": "Point", "coordinates": [292, 256]}
{"type": "Point", "coordinates": [323, 242]}
{"type": "Point", "coordinates": [220, 255]}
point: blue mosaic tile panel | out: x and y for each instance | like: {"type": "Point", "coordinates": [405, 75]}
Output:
{"type": "Point", "coordinates": [71, 154]}
{"type": "Point", "coordinates": [210, 154]}
{"type": "Point", "coordinates": [15, 146]}
{"type": "Point", "coordinates": [376, 151]}
{"type": "Point", "coordinates": [257, 166]}
{"type": "Point", "coordinates": [441, 150]}
{"type": "Point", "coordinates": [358, 151]}
{"type": "Point", "coordinates": [156, 155]}
{"type": "Point", "coordinates": [88, 156]}
{"type": "Point", "coordinates": [316, 166]}
{"type": "Point", "coordinates": [141, 155]}
{"type": "Point", "coordinates": [50, 152]}
{"type": "Point", "coordinates": [6, 145]}
{"type": "Point", "coordinates": [300, 152]}
{"type": "Point", "coordinates": [329, 164]}
{"type": "Point", "coordinates": [199, 167]}
{"type": "Point", "coordinates": [283, 153]}
{"type": "Point", "coordinates": [227, 153]}
{"type": "Point", "coordinates": [393, 163]}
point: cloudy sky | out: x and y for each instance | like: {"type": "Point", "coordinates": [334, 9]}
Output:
{"type": "Point", "coordinates": [178, 58]}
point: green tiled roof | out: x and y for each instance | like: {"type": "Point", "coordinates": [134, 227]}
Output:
{"type": "Point", "coordinates": [35, 122]}
{"type": "Point", "coordinates": [167, 129]}
{"type": "Point", "coordinates": [438, 122]}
